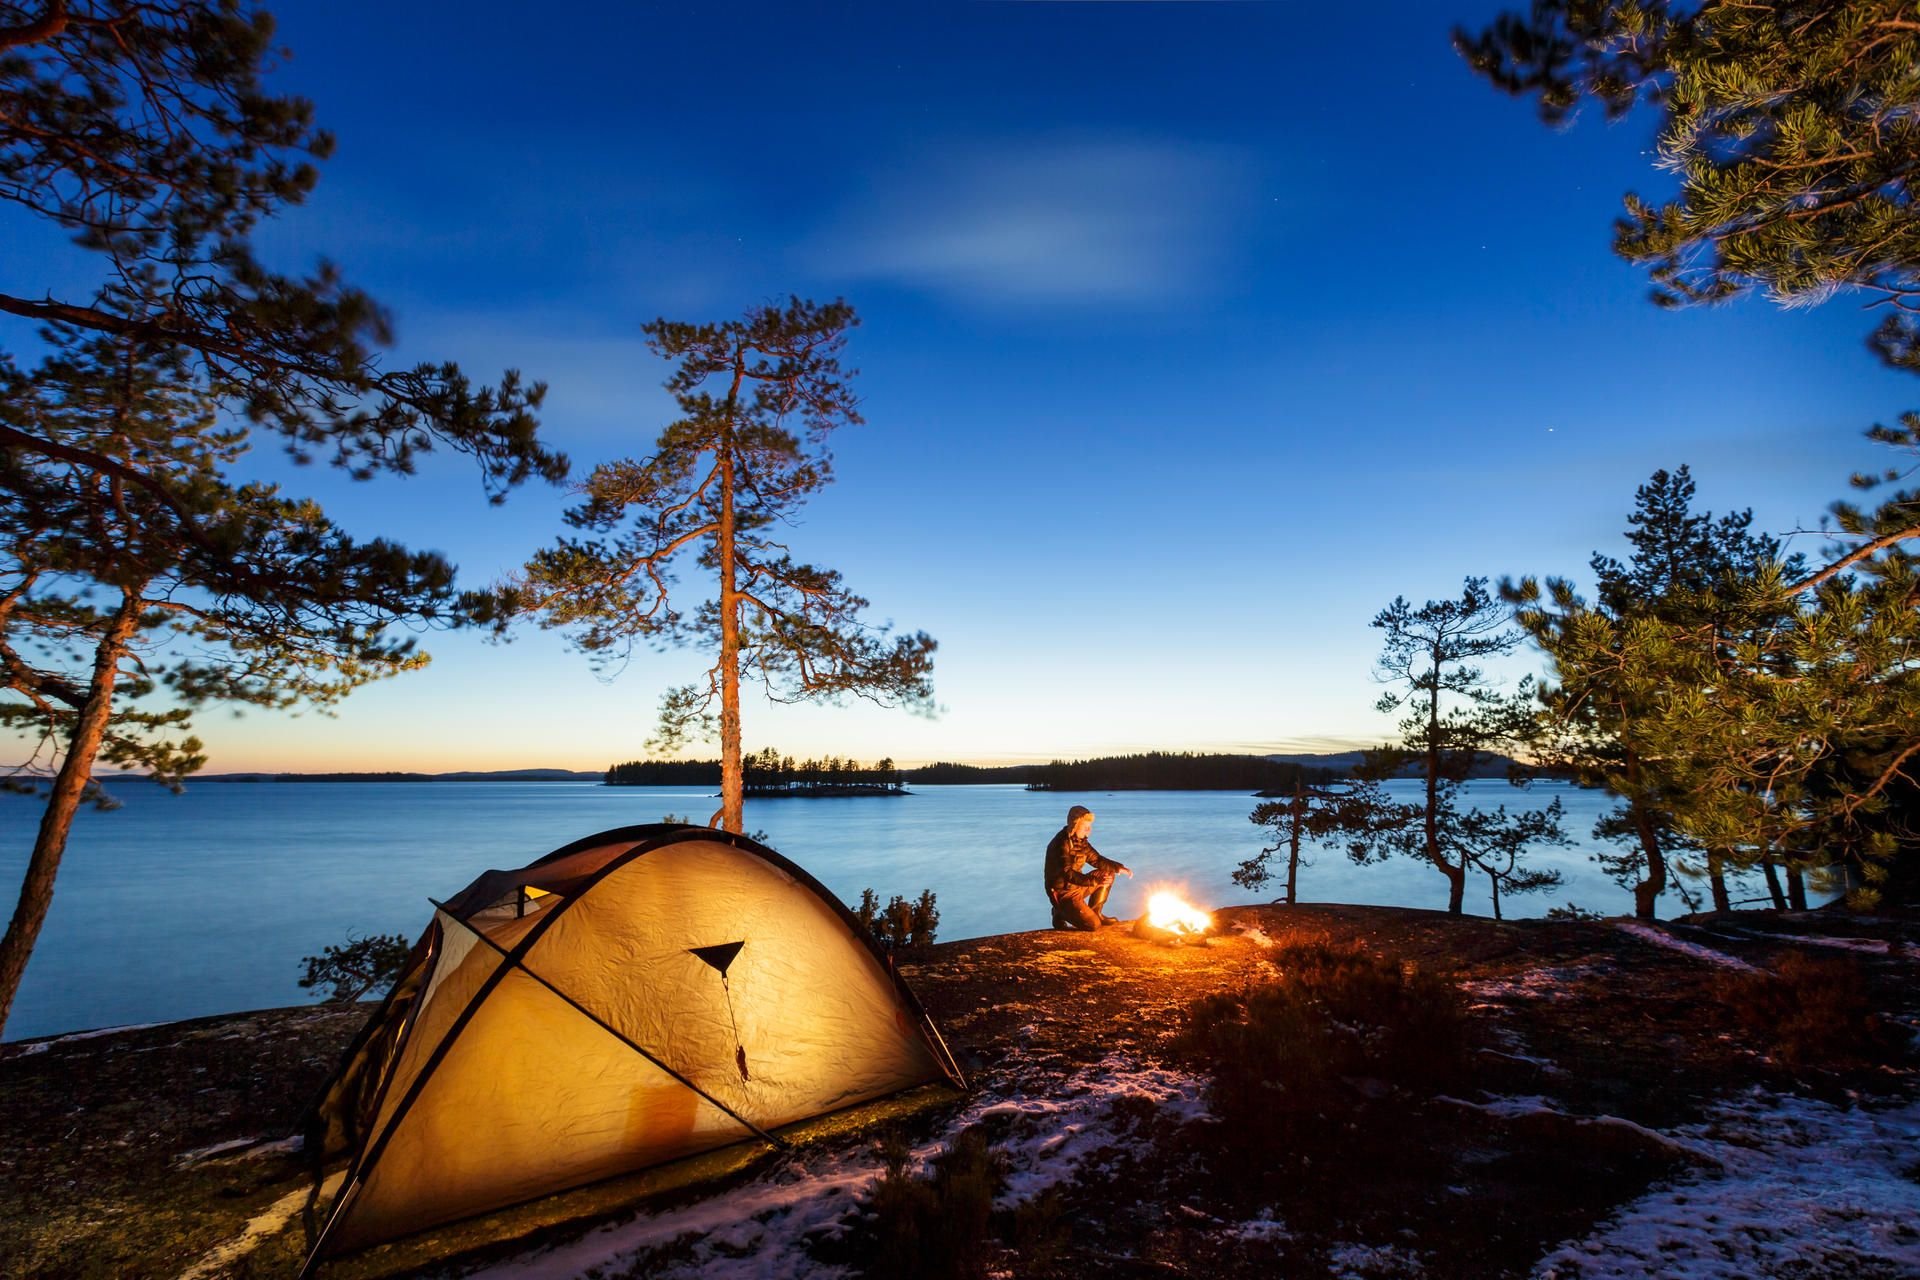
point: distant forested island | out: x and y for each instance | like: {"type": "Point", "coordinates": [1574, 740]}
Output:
{"type": "Point", "coordinates": [945, 774]}
{"type": "Point", "coordinates": [769, 774]}
{"type": "Point", "coordinates": [1174, 771]}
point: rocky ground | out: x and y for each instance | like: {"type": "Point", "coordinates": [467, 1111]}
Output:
{"type": "Point", "coordinates": [1621, 1111]}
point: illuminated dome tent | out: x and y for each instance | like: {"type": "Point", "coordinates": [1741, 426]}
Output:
{"type": "Point", "coordinates": [637, 996]}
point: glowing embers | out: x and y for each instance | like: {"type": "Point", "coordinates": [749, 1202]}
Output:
{"type": "Point", "coordinates": [1172, 920]}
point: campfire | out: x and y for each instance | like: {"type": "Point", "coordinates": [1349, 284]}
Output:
{"type": "Point", "coordinates": [1172, 920]}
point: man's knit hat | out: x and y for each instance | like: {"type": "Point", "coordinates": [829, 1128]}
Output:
{"type": "Point", "coordinates": [1078, 812]}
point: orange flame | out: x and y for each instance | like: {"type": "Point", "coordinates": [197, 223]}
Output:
{"type": "Point", "coordinates": [1167, 910]}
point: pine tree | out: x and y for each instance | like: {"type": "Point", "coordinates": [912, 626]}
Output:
{"type": "Point", "coordinates": [1660, 624]}
{"type": "Point", "coordinates": [1804, 744]}
{"type": "Point", "coordinates": [1454, 716]}
{"type": "Point", "coordinates": [146, 134]}
{"type": "Point", "coordinates": [136, 584]}
{"type": "Point", "coordinates": [759, 397]}
{"type": "Point", "coordinates": [1311, 813]}
{"type": "Point", "coordinates": [1793, 128]}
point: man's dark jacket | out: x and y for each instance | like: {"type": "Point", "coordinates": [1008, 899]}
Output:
{"type": "Point", "coordinates": [1065, 853]}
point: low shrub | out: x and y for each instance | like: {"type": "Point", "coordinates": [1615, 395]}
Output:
{"type": "Point", "coordinates": [899, 925]}
{"type": "Point", "coordinates": [1299, 1066]}
{"type": "Point", "coordinates": [1812, 1011]}
{"type": "Point", "coordinates": [938, 1227]}
{"type": "Point", "coordinates": [358, 967]}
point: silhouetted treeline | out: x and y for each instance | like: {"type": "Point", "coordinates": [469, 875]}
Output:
{"type": "Point", "coordinates": [945, 774]}
{"type": "Point", "coordinates": [1172, 771]}
{"type": "Point", "coordinates": [768, 773]}
{"type": "Point", "coordinates": [665, 773]}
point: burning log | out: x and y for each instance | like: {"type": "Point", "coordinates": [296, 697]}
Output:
{"type": "Point", "coordinates": [1171, 922]}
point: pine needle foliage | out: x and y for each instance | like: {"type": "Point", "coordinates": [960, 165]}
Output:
{"type": "Point", "coordinates": [147, 134]}
{"type": "Point", "coordinates": [1791, 128]}
{"type": "Point", "coordinates": [1308, 815]}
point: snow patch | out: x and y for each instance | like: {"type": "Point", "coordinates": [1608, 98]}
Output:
{"type": "Point", "coordinates": [242, 1148]}
{"type": "Point", "coordinates": [1804, 1188]}
{"type": "Point", "coordinates": [41, 1046]}
{"type": "Point", "coordinates": [1511, 1107]}
{"type": "Point", "coordinates": [1263, 1228]}
{"type": "Point", "coordinates": [1869, 946]}
{"type": "Point", "coordinates": [1553, 982]}
{"type": "Point", "coordinates": [1547, 1065]}
{"type": "Point", "coordinates": [1368, 1262]}
{"type": "Point", "coordinates": [759, 1231]}
{"type": "Point", "coordinates": [268, 1222]}
{"type": "Point", "coordinates": [1660, 938]}
{"type": "Point", "coordinates": [1051, 1137]}
{"type": "Point", "coordinates": [1507, 1107]}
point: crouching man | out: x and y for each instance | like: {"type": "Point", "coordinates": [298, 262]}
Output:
{"type": "Point", "coordinates": [1078, 877]}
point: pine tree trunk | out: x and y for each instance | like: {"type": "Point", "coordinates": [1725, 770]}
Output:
{"type": "Point", "coordinates": [1494, 880]}
{"type": "Point", "coordinates": [1456, 876]}
{"type": "Point", "coordinates": [1796, 888]}
{"type": "Point", "coordinates": [63, 802]}
{"type": "Point", "coordinates": [1293, 853]}
{"type": "Point", "coordinates": [1717, 880]}
{"type": "Point", "coordinates": [1773, 884]}
{"type": "Point", "coordinates": [1646, 894]}
{"type": "Point", "coordinates": [732, 797]}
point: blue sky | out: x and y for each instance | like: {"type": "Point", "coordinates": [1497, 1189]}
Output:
{"type": "Point", "coordinates": [1194, 333]}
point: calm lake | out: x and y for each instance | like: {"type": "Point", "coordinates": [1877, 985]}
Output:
{"type": "Point", "coordinates": [178, 906]}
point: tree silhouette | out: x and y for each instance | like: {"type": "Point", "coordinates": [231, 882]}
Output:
{"type": "Point", "coordinates": [1454, 715]}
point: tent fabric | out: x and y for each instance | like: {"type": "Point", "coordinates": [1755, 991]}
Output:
{"type": "Point", "coordinates": [664, 991]}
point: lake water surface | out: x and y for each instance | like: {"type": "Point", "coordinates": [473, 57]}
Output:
{"type": "Point", "coordinates": [178, 906]}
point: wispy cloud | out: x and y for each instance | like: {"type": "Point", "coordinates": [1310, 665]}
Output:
{"type": "Point", "coordinates": [1099, 221]}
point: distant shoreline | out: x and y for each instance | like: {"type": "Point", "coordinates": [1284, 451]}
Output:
{"type": "Point", "coordinates": [501, 775]}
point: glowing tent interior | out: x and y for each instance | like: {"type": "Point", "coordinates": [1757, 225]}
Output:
{"type": "Point", "coordinates": [634, 997]}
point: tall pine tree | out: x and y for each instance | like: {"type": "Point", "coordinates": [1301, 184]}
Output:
{"type": "Point", "coordinates": [1660, 624]}
{"type": "Point", "coordinates": [759, 397]}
